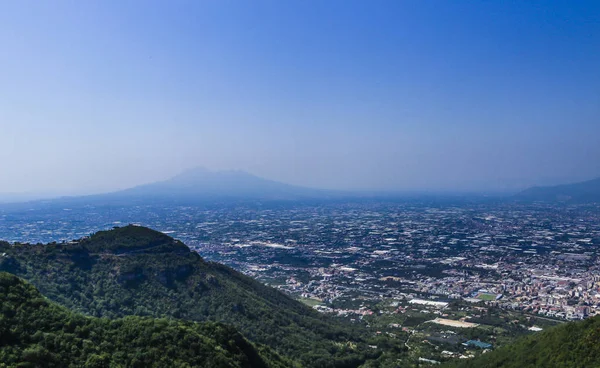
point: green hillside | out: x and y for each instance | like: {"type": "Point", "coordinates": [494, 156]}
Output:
{"type": "Point", "coordinates": [37, 333]}
{"type": "Point", "coordinates": [571, 345]}
{"type": "Point", "coordinates": [137, 271]}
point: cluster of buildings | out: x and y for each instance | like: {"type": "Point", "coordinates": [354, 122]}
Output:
{"type": "Point", "coordinates": [540, 259]}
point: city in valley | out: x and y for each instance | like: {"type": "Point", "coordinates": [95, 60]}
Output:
{"type": "Point", "coordinates": [452, 277]}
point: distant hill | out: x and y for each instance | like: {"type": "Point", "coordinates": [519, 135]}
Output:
{"type": "Point", "coordinates": [196, 186]}
{"type": "Point", "coordinates": [201, 183]}
{"type": "Point", "coordinates": [587, 191]}
{"type": "Point", "coordinates": [37, 333]}
{"type": "Point", "coordinates": [22, 197]}
{"type": "Point", "coordinates": [571, 345]}
{"type": "Point", "coordinates": [133, 270]}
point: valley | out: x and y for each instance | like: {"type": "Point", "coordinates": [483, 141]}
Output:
{"type": "Point", "coordinates": [392, 273]}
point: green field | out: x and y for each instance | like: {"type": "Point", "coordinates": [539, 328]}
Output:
{"type": "Point", "coordinates": [310, 302]}
{"type": "Point", "coordinates": [486, 296]}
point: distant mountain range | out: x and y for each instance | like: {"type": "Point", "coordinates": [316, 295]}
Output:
{"type": "Point", "coordinates": [193, 186]}
{"type": "Point", "coordinates": [201, 183]}
{"type": "Point", "coordinates": [587, 191]}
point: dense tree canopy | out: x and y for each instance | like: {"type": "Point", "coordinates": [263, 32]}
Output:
{"type": "Point", "coordinates": [137, 271]}
{"type": "Point", "coordinates": [571, 345]}
{"type": "Point", "coordinates": [37, 333]}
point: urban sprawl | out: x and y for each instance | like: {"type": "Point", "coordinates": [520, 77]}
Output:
{"type": "Point", "coordinates": [539, 259]}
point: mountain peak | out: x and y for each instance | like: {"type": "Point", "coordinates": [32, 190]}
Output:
{"type": "Point", "coordinates": [133, 239]}
{"type": "Point", "coordinates": [203, 184]}
{"type": "Point", "coordinates": [201, 175]}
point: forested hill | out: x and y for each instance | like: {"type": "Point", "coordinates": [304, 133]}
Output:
{"type": "Point", "coordinates": [571, 345]}
{"type": "Point", "coordinates": [36, 333]}
{"type": "Point", "coordinates": [137, 271]}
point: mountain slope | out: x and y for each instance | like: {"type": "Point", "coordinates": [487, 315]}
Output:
{"type": "Point", "coordinates": [137, 271]}
{"type": "Point", "coordinates": [571, 345]}
{"type": "Point", "coordinates": [233, 184]}
{"type": "Point", "coordinates": [36, 333]}
{"type": "Point", "coordinates": [587, 191]}
{"type": "Point", "coordinates": [193, 187]}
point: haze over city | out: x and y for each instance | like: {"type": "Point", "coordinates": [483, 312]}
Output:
{"type": "Point", "coordinates": [427, 95]}
{"type": "Point", "coordinates": [300, 183]}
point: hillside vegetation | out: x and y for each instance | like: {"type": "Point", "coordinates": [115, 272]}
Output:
{"type": "Point", "coordinates": [571, 345]}
{"type": "Point", "coordinates": [137, 271]}
{"type": "Point", "coordinates": [37, 333]}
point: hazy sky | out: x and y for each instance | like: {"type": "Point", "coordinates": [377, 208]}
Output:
{"type": "Point", "coordinates": [453, 95]}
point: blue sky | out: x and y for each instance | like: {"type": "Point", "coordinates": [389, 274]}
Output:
{"type": "Point", "coordinates": [406, 95]}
